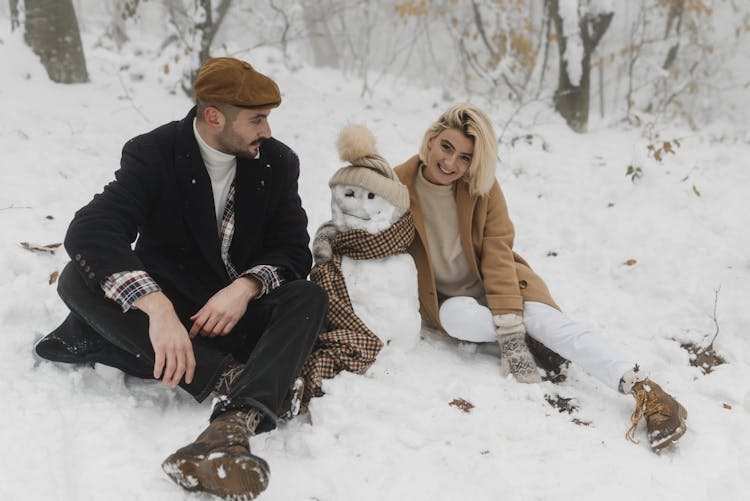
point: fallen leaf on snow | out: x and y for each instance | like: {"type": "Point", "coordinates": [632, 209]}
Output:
{"type": "Point", "coordinates": [462, 404]}
{"type": "Point", "coordinates": [49, 248]}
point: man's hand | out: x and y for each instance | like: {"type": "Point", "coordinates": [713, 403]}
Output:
{"type": "Point", "coordinates": [169, 338]}
{"type": "Point", "coordinates": [225, 308]}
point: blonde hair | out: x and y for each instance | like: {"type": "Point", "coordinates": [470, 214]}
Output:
{"type": "Point", "coordinates": [474, 124]}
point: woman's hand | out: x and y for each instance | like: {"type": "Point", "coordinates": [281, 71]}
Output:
{"type": "Point", "coordinates": [515, 358]}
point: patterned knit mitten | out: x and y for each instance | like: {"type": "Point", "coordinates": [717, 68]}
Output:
{"type": "Point", "coordinates": [515, 356]}
{"type": "Point", "coordinates": [322, 250]}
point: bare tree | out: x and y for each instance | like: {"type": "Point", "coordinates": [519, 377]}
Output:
{"type": "Point", "coordinates": [122, 11]}
{"type": "Point", "coordinates": [584, 32]}
{"type": "Point", "coordinates": [194, 25]}
{"type": "Point", "coordinates": [52, 33]}
{"type": "Point", "coordinates": [315, 15]}
{"type": "Point", "coordinates": [674, 18]}
{"type": "Point", "coordinates": [14, 15]}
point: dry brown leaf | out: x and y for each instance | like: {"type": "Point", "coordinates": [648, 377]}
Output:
{"type": "Point", "coordinates": [695, 190]}
{"type": "Point", "coordinates": [630, 262]}
{"type": "Point", "coordinates": [462, 404]}
{"type": "Point", "coordinates": [53, 277]}
{"type": "Point", "coordinates": [727, 407]}
{"type": "Point", "coordinates": [49, 248]}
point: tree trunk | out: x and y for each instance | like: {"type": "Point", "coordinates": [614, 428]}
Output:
{"type": "Point", "coordinates": [122, 10]}
{"type": "Point", "coordinates": [52, 33]}
{"type": "Point", "coordinates": [676, 9]}
{"type": "Point", "coordinates": [14, 15]}
{"type": "Point", "coordinates": [323, 49]}
{"type": "Point", "coordinates": [572, 100]}
{"type": "Point", "coordinates": [207, 34]}
{"type": "Point", "coordinates": [205, 28]}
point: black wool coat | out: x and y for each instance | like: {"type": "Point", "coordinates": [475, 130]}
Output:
{"type": "Point", "coordinates": [162, 197]}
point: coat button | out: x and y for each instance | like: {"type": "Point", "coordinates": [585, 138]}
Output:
{"type": "Point", "coordinates": [523, 284]}
{"type": "Point", "coordinates": [87, 269]}
{"type": "Point", "coordinates": [83, 262]}
{"type": "Point", "coordinates": [92, 275]}
{"type": "Point", "coordinates": [78, 257]}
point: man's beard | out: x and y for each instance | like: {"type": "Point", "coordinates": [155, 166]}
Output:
{"type": "Point", "coordinates": [232, 145]}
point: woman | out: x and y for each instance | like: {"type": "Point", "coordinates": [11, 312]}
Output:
{"type": "Point", "coordinates": [472, 285]}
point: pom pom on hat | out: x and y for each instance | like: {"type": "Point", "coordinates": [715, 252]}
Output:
{"type": "Point", "coordinates": [368, 170]}
{"type": "Point", "coordinates": [355, 141]}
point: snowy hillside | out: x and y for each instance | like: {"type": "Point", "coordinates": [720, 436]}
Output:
{"type": "Point", "coordinates": [637, 261]}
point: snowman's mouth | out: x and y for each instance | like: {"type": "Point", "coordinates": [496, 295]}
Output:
{"type": "Point", "coordinates": [356, 216]}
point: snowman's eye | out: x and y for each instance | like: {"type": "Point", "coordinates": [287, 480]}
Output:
{"type": "Point", "coordinates": [371, 195]}
{"type": "Point", "coordinates": [349, 193]}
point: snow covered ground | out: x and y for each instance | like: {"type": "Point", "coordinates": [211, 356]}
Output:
{"type": "Point", "coordinates": [82, 433]}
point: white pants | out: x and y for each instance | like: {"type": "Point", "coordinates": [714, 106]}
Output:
{"type": "Point", "coordinates": [464, 318]}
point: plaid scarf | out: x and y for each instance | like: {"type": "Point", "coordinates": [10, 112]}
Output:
{"type": "Point", "coordinates": [348, 343]}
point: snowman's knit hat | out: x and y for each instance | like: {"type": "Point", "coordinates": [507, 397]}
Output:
{"type": "Point", "coordinates": [367, 169]}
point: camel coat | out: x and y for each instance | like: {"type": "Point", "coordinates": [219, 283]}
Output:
{"type": "Point", "coordinates": [486, 234]}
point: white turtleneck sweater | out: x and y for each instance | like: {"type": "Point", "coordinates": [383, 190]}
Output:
{"type": "Point", "coordinates": [221, 169]}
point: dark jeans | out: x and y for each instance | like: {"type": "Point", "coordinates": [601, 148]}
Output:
{"type": "Point", "coordinates": [274, 338]}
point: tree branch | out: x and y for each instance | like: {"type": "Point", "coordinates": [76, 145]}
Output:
{"type": "Point", "coordinates": [716, 322]}
{"type": "Point", "coordinates": [14, 22]}
{"type": "Point", "coordinates": [599, 26]}
{"type": "Point", "coordinates": [480, 27]}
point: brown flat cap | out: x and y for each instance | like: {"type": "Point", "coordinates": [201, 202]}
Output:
{"type": "Point", "coordinates": [228, 80]}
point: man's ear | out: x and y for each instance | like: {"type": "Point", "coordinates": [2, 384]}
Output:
{"type": "Point", "coordinates": [214, 118]}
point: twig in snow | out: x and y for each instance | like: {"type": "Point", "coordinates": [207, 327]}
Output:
{"type": "Point", "coordinates": [13, 206]}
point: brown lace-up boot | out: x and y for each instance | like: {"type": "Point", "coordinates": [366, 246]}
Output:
{"type": "Point", "coordinates": [665, 417]}
{"type": "Point", "coordinates": [219, 460]}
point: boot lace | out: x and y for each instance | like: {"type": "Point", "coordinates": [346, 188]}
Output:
{"type": "Point", "coordinates": [227, 379]}
{"type": "Point", "coordinates": [645, 407]}
{"type": "Point", "coordinates": [251, 419]}
{"type": "Point", "coordinates": [637, 415]}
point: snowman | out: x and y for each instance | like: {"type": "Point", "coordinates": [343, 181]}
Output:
{"type": "Point", "coordinates": [361, 261]}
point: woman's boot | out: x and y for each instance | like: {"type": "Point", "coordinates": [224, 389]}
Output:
{"type": "Point", "coordinates": [665, 416]}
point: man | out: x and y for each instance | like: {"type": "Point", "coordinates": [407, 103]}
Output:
{"type": "Point", "coordinates": [212, 298]}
